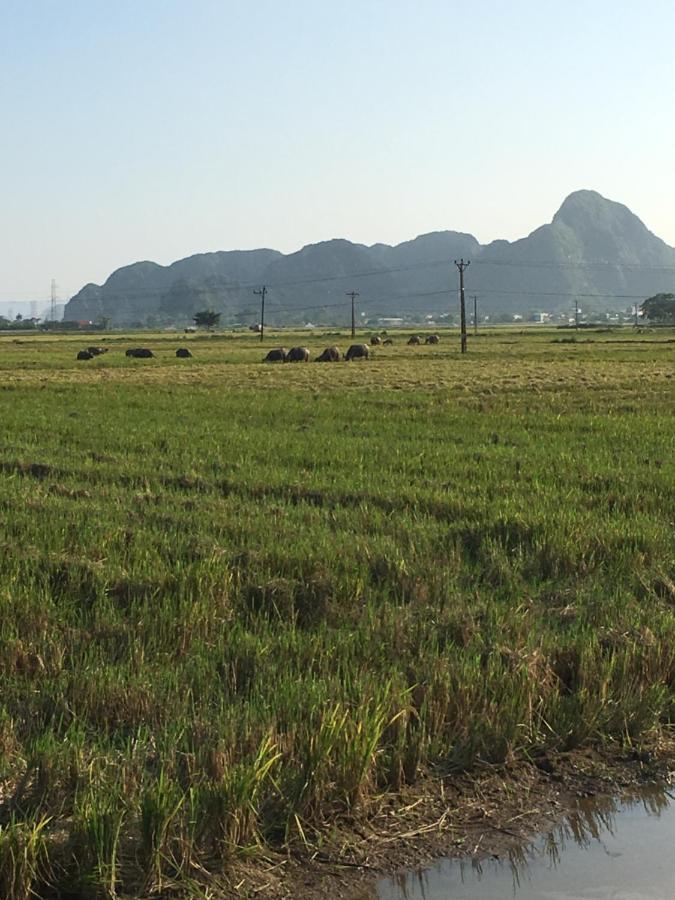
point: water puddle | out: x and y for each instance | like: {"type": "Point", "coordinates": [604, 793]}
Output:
{"type": "Point", "coordinates": [623, 850]}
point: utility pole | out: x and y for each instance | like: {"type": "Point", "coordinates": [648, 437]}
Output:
{"type": "Point", "coordinates": [475, 314]}
{"type": "Point", "coordinates": [576, 313]}
{"type": "Point", "coordinates": [353, 294]}
{"type": "Point", "coordinates": [261, 293]}
{"type": "Point", "coordinates": [461, 265]}
{"type": "Point", "coordinates": [53, 300]}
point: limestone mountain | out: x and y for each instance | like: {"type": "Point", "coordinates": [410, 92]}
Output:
{"type": "Point", "coordinates": [595, 252]}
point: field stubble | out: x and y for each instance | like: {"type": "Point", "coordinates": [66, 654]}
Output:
{"type": "Point", "coordinates": [242, 603]}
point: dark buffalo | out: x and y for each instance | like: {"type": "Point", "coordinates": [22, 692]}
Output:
{"type": "Point", "coordinates": [375, 340]}
{"type": "Point", "coordinates": [330, 354]}
{"type": "Point", "coordinates": [183, 353]}
{"type": "Point", "coordinates": [298, 354]}
{"type": "Point", "coordinates": [85, 354]}
{"type": "Point", "coordinates": [277, 355]}
{"type": "Point", "coordinates": [140, 353]}
{"type": "Point", "coordinates": [432, 339]}
{"type": "Point", "coordinates": [388, 342]}
{"type": "Point", "coordinates": [357, 351]}
{"type": "Point", "coordinates": [413, 340]}
{"type": "Point", "coordinates": [97, 351]}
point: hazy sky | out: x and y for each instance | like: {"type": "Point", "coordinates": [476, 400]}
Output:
{"type": "Point", "coordinates": [154, 129]}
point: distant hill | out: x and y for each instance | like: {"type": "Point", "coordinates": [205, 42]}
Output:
{"type": "Point", "coordinates": [594, 249]}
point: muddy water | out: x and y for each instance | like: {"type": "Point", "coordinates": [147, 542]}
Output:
{"type": "Point", "coordinates": [623, 850]}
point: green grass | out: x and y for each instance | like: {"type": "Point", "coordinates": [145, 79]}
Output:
{"type": "Point", "coordinates": [239, 600]}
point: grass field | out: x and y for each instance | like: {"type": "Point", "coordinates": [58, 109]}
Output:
{"type": "Point", "coordinates": [238, 601]}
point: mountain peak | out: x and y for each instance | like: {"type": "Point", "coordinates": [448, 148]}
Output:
{"type": "Point", "coordinates": [586, 207]}
{"type": "Point", "coordinates": [607, 230]}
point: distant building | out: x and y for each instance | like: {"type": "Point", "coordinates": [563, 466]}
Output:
{"type": "Point", "coordinates": [77, 324]}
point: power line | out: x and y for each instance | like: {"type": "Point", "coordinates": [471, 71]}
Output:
{"type": "Point", "coordinates": [562, 294]}
{"type": "Point", "coordinates": [375, 301]}
{"type": "Point", "coordinates": [225, 283]}
{"type": "Point", "coordinates": [585, 264]}
{"type": "Point", "coordinates": [443, 292]}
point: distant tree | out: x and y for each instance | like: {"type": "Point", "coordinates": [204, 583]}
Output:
{"type": "Point", "coordinates": [207, 318]}
{"type": "Point", "coordinates": [659, 308]}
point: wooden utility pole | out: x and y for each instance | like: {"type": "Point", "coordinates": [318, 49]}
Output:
{"type": "Point", "coordinates": [353, 294]}
{"type": "Point", "coordinates": [475, 314]}
{"type": "Point", "coordinates": [261, 293]}
{"type": "Point", "coordinates": [461, 265]}
{"type": "Point", "coordinates": [576, 313]}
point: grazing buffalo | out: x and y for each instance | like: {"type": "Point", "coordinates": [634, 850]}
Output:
{"type": "Point", "coordinates": [432, 339]}
{"type": "Point", "coordinates": [183, 353]}
{"type": "Point", "coordinates": [357, 351]}
{"type": "Point", "coordinates": [97, 351]}
{"type": "Point", "coordinates": [140, 353]}
{"type": "Point", "coordinates": [388, 342]}
{"type": "Point", "coordinates": [280, 354]}
{"type": "Point", "coordinates": [85, 354]}
{"type": "Point", "coordinates": [413, 340]}
{"type": "Point", "coordinates": [298, 354]}
{"type": "Point", "coordinates": [330, 354]}
{"type": "Point", "coordinates": [375, 340]}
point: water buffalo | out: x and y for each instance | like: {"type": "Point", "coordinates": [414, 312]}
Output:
{"type": "Point", "coordinates": [97, 351]}
{"type": "Point", "coordinates": [357, 351]}
{"type": "Point", "coordinates": [432, 339]}
{"type": "Point", "coordinates": [140, 353]}
{"type": "Point", "coordinates": [388, 342]}
{"type": "Point", "coordinates": [183, 353]}
{"type": "Point", "coordinates": [85, 354]}
{"type": "Point", "coordinates": [277, 355]}
{"type": "Point", "coordinates": [375, 340]}
{"type": "Point", "coordinates": [330, 354]}
{"type": "Point", "coordinates": [413, 340]}
{"type": "Point", "coordinates": [298, 354]}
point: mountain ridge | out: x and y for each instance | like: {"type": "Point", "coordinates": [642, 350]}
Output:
{"type": "Point", "coordinates": [594, 251]}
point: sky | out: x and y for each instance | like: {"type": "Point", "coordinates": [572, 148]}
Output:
{"type": "Point", "coordinates": [156, 129]}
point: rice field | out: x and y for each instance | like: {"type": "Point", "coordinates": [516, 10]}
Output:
{"type": "Point", "coordinates": [240, 601]}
